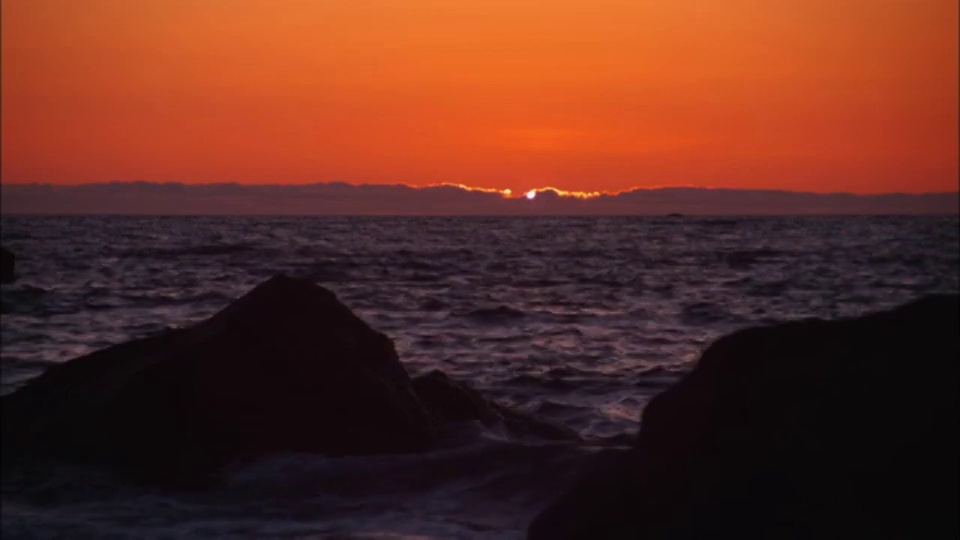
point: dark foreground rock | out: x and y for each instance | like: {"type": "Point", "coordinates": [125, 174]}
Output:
{"type": "Point", "coordinates": [814, 429]}
{"type": "Point", "coordinates": [7, 266]}
{"type": "Point", "coordinates": [286, 367]}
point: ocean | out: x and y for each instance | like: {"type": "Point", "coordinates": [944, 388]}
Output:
{"type": "Point", "coordinates": [577, 320]}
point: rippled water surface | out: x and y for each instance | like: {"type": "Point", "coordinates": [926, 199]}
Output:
{"type": "Point", "coordinates": [579, 320]}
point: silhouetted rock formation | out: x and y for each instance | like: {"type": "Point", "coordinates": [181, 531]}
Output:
{"type": "Point", "coordinates": [285, 367]}
{"type": "Point", "coordinates": [453, 401]}
{"type": "Point", "coordinates": [812, 429]}
{"type": "Point", "coordinates": [7, 266]}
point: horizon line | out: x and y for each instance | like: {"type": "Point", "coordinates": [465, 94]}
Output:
{"type": "Point", "coordinates": [506, 193]}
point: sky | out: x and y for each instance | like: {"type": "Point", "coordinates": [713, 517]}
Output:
{"type": "Point", "coordinates": [855, 96]}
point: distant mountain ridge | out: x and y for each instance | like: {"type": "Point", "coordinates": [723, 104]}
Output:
{"type": "Point", "coordinates": [338, 198]}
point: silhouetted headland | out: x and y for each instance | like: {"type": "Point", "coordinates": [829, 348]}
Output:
{"type": "Point", "coordinates": [809, 429]}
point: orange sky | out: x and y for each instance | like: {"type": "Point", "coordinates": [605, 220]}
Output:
{"type": "Point", "coordinates": [818, 95]}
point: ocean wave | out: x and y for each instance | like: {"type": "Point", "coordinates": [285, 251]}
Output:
{"type": "Point", "coordinates": [325, 272]}
{"type": "Point", "coordinates": [549, 382]}
{"type": "Point", "coordinates": [168, 299]}
{"type": "Point", "coordinates": [658, 377]}
{"type": "Point", "coordinates": [538, 283]}
{"type": "Point", "coordinates": [432, 303]}
{"type": "Point", "coordinates": [746, 258]}
{"type": "Point", "coordinates": [703, 313]}
{"type": "Point", "coordinates": [487, 489]}
{"type": "Point", "coordinates": [499, 314]}
{"type": "Point", "coordinates": [556, 409]}
{"type": "Point", "coordinates": [16, 362]}
{"type": "Point", "coordinates": [476, 464]}
{"type": "Point", "coordinates": [211, 250]}
{"type": "Point", "coordinates": [769, 289]}
{"type": "Point", "coordinates": [21, 297]}
{"type": "Point", "coordinates": [417, 264]}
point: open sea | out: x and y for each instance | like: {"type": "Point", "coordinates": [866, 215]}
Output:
{"type": "Point", "coordinates": [576, 320]}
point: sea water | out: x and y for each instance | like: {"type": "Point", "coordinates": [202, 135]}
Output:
{"type": "Point", "coordinates": [579, 321]}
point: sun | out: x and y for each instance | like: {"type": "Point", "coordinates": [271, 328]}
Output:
{"type": "Point", "coordinates": [531, 194]}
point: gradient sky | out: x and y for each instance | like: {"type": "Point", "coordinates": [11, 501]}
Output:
{"type": "Point", "coordinates": [587, 95]}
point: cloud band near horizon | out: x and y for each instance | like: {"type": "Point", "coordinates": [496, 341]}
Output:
{"type": "Point", "coordinates": [337, 198]}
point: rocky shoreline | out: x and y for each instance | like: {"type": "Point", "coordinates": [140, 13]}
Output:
{"type": "Point", "coordinates": [798, 430]}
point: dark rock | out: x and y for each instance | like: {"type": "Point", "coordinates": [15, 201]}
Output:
{"type": "Point", "coordinates": [287, 367]}
{"type": "Point", "coordinates": [453, 401]}
{"type": "Point", "coordinates": [7, 266]}
{"type": "Point", "coordinates": [813, 429]}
